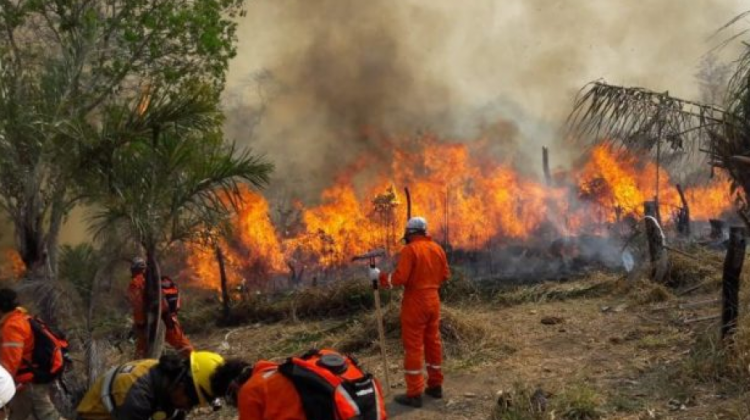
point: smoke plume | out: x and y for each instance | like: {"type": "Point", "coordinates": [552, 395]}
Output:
{"type": "Point", "coordinates": [334, 76]}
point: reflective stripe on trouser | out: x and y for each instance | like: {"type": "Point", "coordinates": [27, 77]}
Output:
{"type": "Point", "coordinates": [177, 338]}
{"type": "Point", "coordinates": [420, 333]}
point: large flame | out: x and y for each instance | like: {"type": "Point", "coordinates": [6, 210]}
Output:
{"type": "Point", "coordinates": [469, 200]}
{"type": "Point", "coordinates": [254, 252]}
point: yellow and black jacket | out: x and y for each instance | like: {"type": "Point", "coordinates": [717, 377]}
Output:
{"type": "Point", "coordinates": [127, 392]}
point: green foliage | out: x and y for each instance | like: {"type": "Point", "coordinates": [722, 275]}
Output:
{"type": "Point", "coordinates": [66, 67]}
{"type": "Point", "coordinates": [175, 177]}
{"type": "Point", "coordinates": [78, 266]}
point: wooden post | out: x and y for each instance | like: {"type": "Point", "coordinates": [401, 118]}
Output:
{"type": "Point", "coordinates": [654, 234]}
{"type": "Point", "coordinates": [683, 219]}
{"type": "Point", "coordinates": [731, 281]}
{"type": "Point", "coordinates": [224, 286]}
{"type": "Point", "coordinates": [545, 165]}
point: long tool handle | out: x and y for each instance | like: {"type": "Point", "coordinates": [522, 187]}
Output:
{"type": "Point", "coordinates": [381, 333]}
{"type": "Point", "coordinates": [408, 203]}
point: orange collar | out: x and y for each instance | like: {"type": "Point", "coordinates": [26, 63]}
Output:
{"type": "Point", "coordinates": [18, 309]}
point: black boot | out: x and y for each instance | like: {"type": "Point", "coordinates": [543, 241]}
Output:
{"type": "Point", "coordinates": [406, 400]}
{"type": "Point", "coordinates": [435, 392]}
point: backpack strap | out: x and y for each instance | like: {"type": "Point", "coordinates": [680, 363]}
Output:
{"type": "Point", "coordinates": [106, 392]}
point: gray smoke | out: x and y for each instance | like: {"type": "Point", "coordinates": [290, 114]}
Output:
{"type": "Point", "coordinates": [336, 74]}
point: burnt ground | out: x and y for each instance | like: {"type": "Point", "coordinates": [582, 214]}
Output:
{"type": "Point", "coordinates": [604, 355]}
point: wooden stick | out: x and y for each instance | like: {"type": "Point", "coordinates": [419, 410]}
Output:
{"type": "Point", "coordinates": [686, 305]}
{"type": "Point", "coordinates": [701, 319]}
{"type": "Point", "coordinates": [381, 334]}
{"type": "Point", "coordinates": [408, 203]}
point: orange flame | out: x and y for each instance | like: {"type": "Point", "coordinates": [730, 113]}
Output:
{"type": "Point", "coordinates": [12, 266]}
{"type": "Point", "coordinates": [254, 253]}
{"type": "Point", "coordinates": [468, 200]}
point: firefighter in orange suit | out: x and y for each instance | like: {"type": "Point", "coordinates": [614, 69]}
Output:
{"type": "Point", "coordinates": [421, 269]}
{"type": "Point", "coordinates": [169, 307]}
{"type": "Point", "coordinates": [32, 400]}
{"type": "Point", "coordinates": [271, 391]}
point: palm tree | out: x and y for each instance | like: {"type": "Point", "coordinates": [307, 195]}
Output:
{"type": "Point", "coordinates": [675, 129]}
{"type": "Point", "coordinates": [165, 174]}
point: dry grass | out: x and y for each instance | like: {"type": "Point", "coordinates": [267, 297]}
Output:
{"type": "Point", "coordinates": [340, 299]}
{"type": "Point", "coordinates": [579, 402]}
{"type": "Point", "coordinates": [461, 330]}
{"type": "Point", "coordinates": [596, 285]}
{"type": "Point", "coordinates": [643, 291]}
{"type": "Point", "coordinates": [704, 268]}
{"type": "Point", "coordinates": [575, 402]}
{"type": "Point", "coordinates": [518, 404]}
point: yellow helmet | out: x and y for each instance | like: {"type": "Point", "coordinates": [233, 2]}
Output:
{"type": "Point", "coordinates": [203, 364]}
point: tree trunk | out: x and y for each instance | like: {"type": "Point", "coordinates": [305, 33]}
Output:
{"type": "Point", "coordinates": [224, 287]}
{"type": "Point", "coordinates": [155, 328]}
{"type": "Point", "coordinates": [731, 281]}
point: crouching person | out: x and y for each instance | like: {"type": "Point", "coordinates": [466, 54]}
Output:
{"type": "Point", "coordinates": [151, 389]}
{"type": "Point", "coordinates": [321, 384]}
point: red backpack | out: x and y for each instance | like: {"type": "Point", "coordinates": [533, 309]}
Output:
{"type": "Point", "coordinates": [333, 387]}
{"type": "Point", "coordinates": [50, 355]}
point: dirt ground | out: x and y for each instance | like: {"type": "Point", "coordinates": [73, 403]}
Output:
{"type": "Point", "coordinates": [626, 355]}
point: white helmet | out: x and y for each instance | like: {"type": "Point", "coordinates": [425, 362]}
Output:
{"type": "Point", "coordinates": [417, 223]}
{"type": "Point", "coordinates": [7, 387]}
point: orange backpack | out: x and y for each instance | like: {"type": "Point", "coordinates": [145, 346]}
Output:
{"type": "Point", "coordinates": [333, 387]}
{"type": "Point", "coordinates": [50, 355]}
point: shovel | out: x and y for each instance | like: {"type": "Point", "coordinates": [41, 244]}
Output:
{"type": "Point", "coordinates": [371, 256]}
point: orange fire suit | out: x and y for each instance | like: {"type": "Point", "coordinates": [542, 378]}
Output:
{"type": "Point", "coordinates": [17, 343]}
{"type": "Point", "coordinates": [269, 395]}
{"type": "Point", "coordinates": [174, 336]}
{"type": "Point", "coordinates": [421, 269]}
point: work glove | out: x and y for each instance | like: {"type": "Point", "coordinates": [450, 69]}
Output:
{"type": "Point", "coordinates": [374, 273]}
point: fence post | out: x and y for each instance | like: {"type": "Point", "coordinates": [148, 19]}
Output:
{"type": "Point", "coordinates": [731, 281]}
{"type": "Point", "coordinates": [657, 253]}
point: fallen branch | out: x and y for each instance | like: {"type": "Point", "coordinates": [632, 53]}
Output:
{"type": "Point", "coordinates": [701, 319]}
{"type": "Point", "coordinates": [687, 305]}
{"type": "Point", "coordinates": [694, 288]}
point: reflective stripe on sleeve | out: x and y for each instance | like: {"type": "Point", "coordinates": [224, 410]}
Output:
{"type": "Point", "coordinates": [390, 283]}
{"type": "Point", "coordinates": [413, 372]}
{"type": "Point", "coordinates": [434, 367]}
{"type": "Point", "coordinates": [13, 344]}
